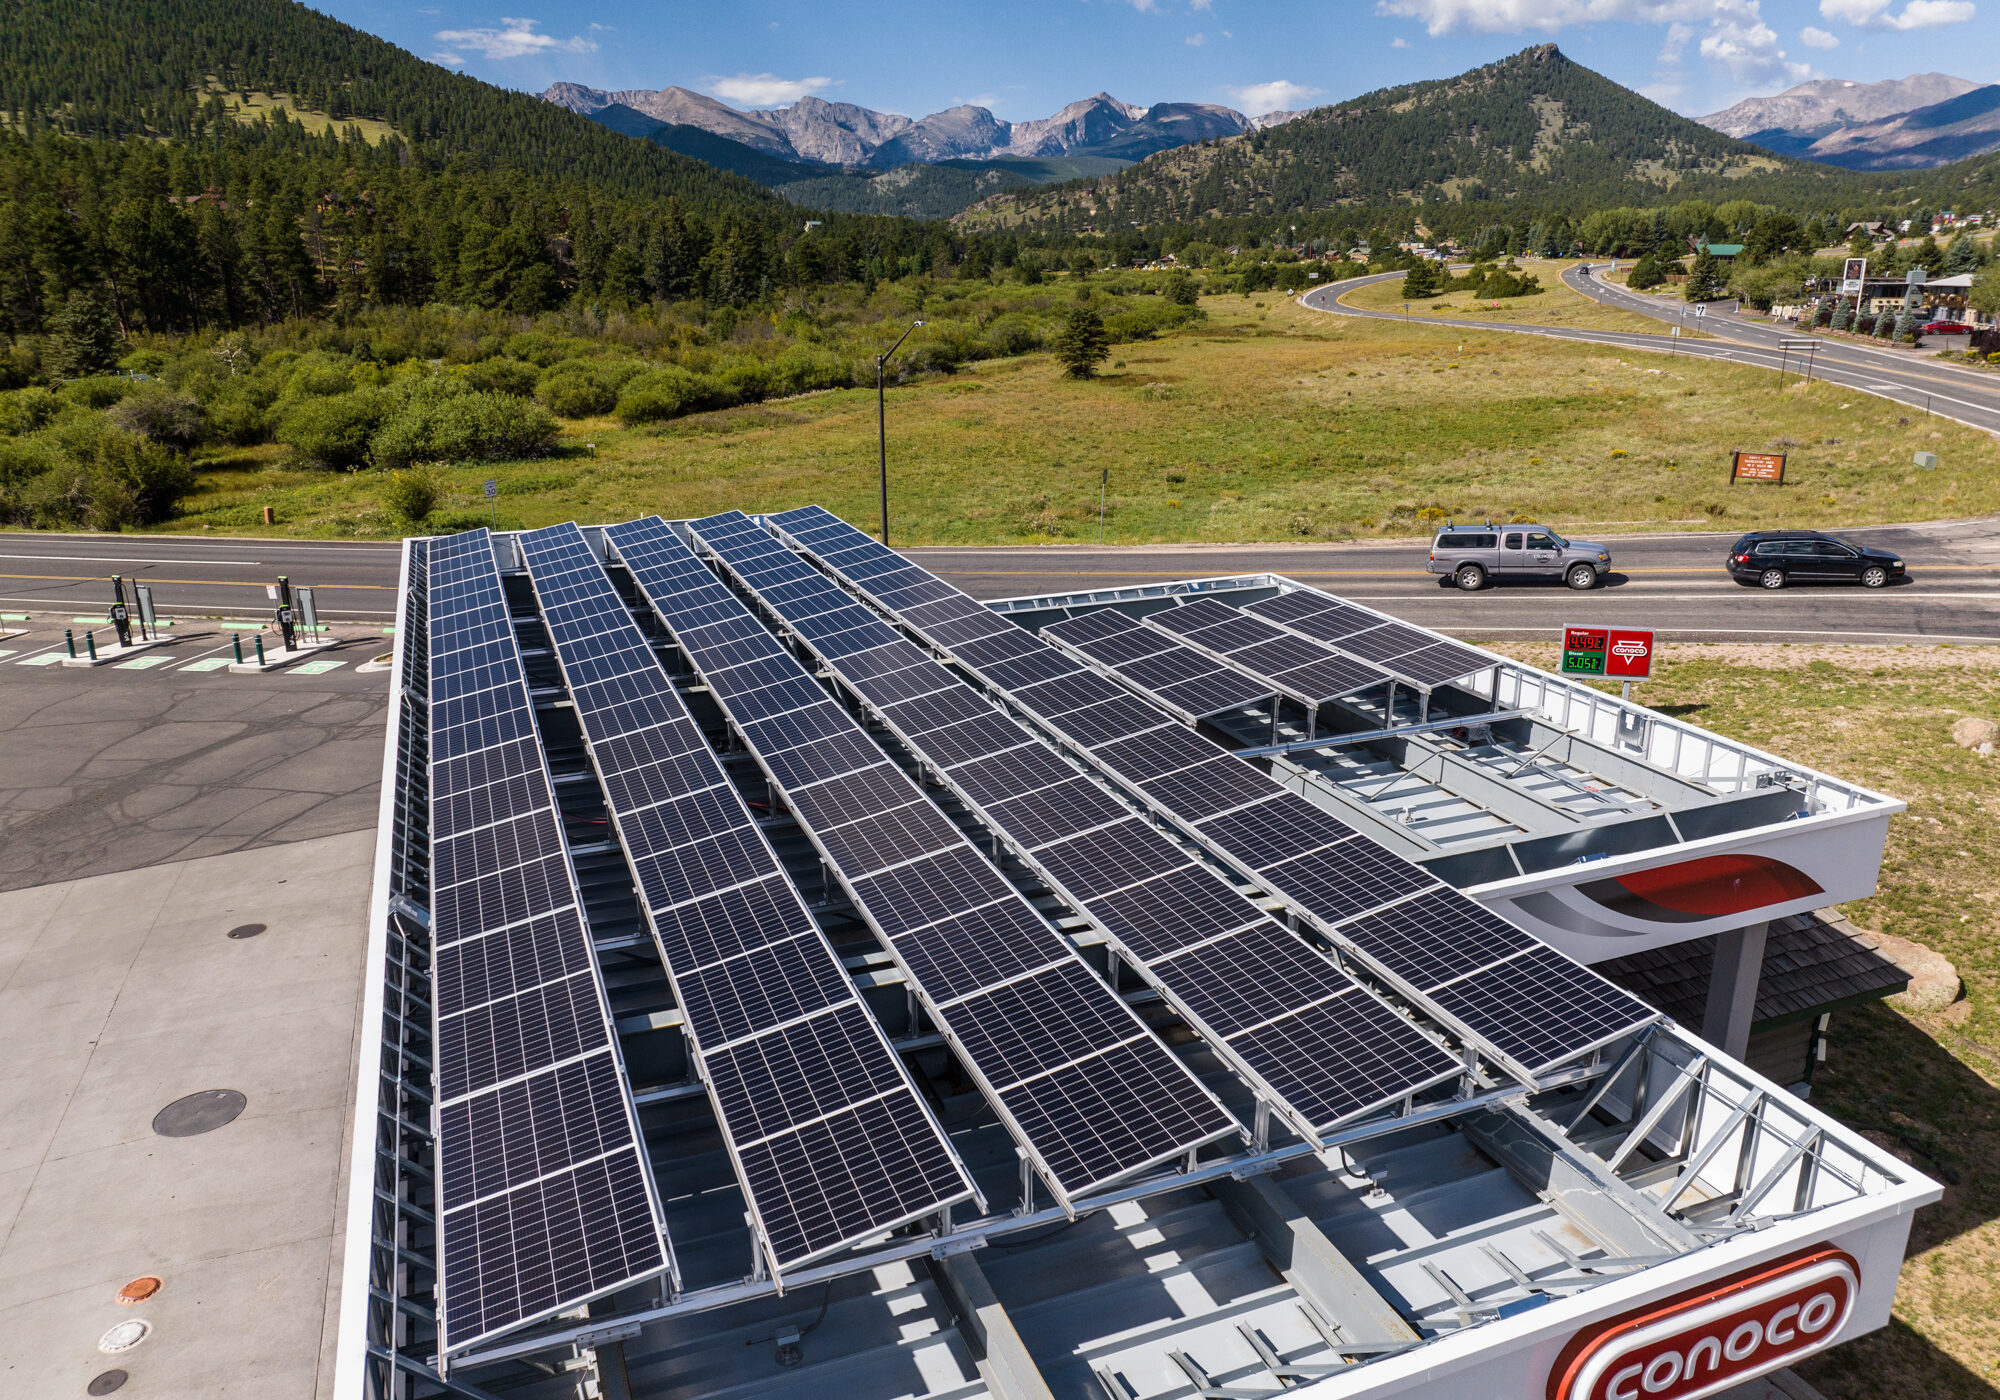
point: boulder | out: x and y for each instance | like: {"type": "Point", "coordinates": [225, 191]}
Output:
{"type": "Point", "coordinates": [1972, 732]}
{"type": "Point", "coordinates": [1934, 982]}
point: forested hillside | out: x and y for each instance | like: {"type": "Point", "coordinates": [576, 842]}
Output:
{"type": "Point", "coordinates": [157, 67]}
{"type": "Point", "coordinates": [1536, 132]}
{"type": "Point", "coordinates": [137, 170]}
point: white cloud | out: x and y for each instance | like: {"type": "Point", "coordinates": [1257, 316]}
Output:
{"type": "Point", "coordinates": [1278, 96]}
{"type": "Point", "coordinates": [1749, 50]}
{"type": "Point", "coordinates": [1818, 38]}
{"type": "Point", "coordinates": [765, 89]}
{"type": "Point", "coordinates": [1203, 5]}
{"type": "Point", "coordinates": [1195, 41]}
{"type": "Point", "coordinates": [1399, 42]}
{"type": "Point", "coordinates": [1515, 16]}
{"type": "Point", "coordinates": [516, 38]}
{"type": "Point", "coordinates": [1881, 14]}
{"type": "Point", "coordinates": [449, 60]}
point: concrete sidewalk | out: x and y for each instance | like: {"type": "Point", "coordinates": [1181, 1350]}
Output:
{"type": "Point", "coordinates": [119, 994]}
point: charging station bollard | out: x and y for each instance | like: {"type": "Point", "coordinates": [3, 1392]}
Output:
{"type": "Point", "coordinates": [238, 640]}
{"type": "Point", "coordinates": [90, 640]}
{"type": "Point", "coordinates": [260, 648]}
{"type": "Point", "coordinates": [69, 640]}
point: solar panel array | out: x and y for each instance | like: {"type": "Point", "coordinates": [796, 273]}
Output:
{"type": "Point", "coordinates": [1304, 670]}
{"type": "Point", "coordinates": [831, 1140]}
{"type": "Point", "coordinates": [544, 1199]}
{"type": "Point", "coordinates": [1405, 652]}
{"type": "Point", "coordinates": [1086, 1088]}
{"type": "Point", "coordinates": [1500, 988]}
{"type": "Point", "coordinates": [1319, 1047]}
{"type": "Point", "coordinates": [1184, 680]}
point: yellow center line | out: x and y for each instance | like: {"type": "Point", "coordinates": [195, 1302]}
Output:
{"type": "Point", "coordinates": [193, 582]}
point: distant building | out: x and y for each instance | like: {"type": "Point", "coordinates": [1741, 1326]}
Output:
{"type": "Point", "coordinates": [1725, 252]}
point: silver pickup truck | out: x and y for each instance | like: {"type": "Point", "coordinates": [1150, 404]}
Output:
{"type": "Point", "coordinates": [1471, 556]}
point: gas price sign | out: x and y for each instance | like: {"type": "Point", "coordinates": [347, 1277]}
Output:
{"type": "Point", "coordinates": [1613, 653]}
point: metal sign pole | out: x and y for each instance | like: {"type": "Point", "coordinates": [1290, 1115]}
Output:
{"type": "Point", "coordinates": [149, 620]}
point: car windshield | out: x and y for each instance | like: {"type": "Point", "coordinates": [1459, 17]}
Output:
{"type": "Point", "coordinates": [1561, 543]}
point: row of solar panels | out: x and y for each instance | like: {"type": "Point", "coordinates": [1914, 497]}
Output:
{"type": "Point", "coordinates": [1525, 1005]}
{"type": "Point", "coordinates": [545, 1198]}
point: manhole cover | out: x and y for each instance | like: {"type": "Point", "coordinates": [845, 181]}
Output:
{"type": "Point", "coordinates": [198, 1113]}
{"type": "Point", "coordinates": [106, 1382]}
{"type": "Point", "coordinates": [139, 1289]}
{"type": "Point", "coordinates": [246, 930]}
{"type": "Point", "coordinates": [125, 1336]}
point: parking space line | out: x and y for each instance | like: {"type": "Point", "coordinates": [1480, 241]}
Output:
{"type": "Point", "coordinates": [207, 663]}
{"type": "Point", "coordinates": [142, 663]}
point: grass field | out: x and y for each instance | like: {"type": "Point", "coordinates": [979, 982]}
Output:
{"type": "Point", "coordinates": [1267, 422]}
{"type": "Point", "coordinates": [1926, 1088]}
{"type": "Point", "coordinates": [1555, 305]}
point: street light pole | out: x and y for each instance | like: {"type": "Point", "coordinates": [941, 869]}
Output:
{"type": "Point", "coordinates": [882, 423]}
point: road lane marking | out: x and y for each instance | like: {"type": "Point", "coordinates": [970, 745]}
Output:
{"type": "Point", "coordinates": [198, 582]}
{"type": "Point", "coordinates": [123, 559]}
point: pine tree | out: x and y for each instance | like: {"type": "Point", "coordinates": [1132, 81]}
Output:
{"type": "Point", "coordinates": [1082, 343]}
{"type": "Point", "coordinates": [82, 339]}
{"type": "Point", "coordinates": [1704, 277]}
{"type": "Point", "coordinates": [1421, 280]}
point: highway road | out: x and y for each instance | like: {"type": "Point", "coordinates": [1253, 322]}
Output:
{"type": "Point", "coordinates": [1968, 396]}
{"type": "Point", "coordinates": [1671, 582]}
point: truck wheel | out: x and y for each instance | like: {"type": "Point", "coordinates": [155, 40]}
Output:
{"type": "Point", "coordinates": [1470, 577]}
{"type": "Point", "coordinates": [1581, 577]}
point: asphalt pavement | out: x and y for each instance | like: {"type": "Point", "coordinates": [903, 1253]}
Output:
{"type": "Point", "coordinates": [1671, 582]}
{"type": "Point", "coordinates": [1910, 377]}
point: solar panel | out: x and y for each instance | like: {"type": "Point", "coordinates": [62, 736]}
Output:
{"type": "Point", "coordinates": [1152, 898]}
{"type": "Point", "coordinates": [1292, 665]}
{"type": "Point", "coordinates": [543, 1199]}
{"type": "Point", "coordinates": [1407, 653]}
{"type": "Point", "coordinates": [768, 1009]}
{"type": "Point", "coordinates": [1191, 684]}
{"type": "Point", "coordinates": [960, 930]}
{"type": "Point", "coordinates": [1351, 878]}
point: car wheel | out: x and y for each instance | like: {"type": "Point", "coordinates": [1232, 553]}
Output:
{"type": "Point", "coordinates": [1581, 577]}
{"type": "Point", "coordinates": [1772, 578]}
{"type": "Point", "coordinates": [1470, 577]}
{"type": "Point", "coordinates": [1874, 576]}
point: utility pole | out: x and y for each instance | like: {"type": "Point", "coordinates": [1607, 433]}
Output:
{"type": "Point", "coordinates": [882, 423]}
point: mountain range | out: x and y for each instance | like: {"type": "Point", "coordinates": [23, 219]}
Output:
{"type": "Point", "coordinates": [1925, 120]}
{"type": "Point", "coordinates": [841, 134]}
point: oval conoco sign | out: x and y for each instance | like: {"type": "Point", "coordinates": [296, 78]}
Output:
{"type": "Point", "coordinates": [1708, 1340]}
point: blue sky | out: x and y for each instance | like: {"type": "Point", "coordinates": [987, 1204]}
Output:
{"type": "Point", "coordinates": [1027, 58]}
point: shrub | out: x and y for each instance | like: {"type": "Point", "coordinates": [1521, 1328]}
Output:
{"type": "Point", "coordinates": [25, 410]}
{"type": "Point", "coordinates": [744, 381]}
{"type": "Point", "coordinates": [88, 472]}
{"type": "Point", "coordinates": [332, 433]}
{"type": "Point", "coordinates": [99, 391]}
{"type": "Point", "coordinates": [575, 390]}
{"type": "Point", "coordinates": [804, 368]}
{"type": "Point", "coordinates": [235, 416]}
{"type": "Point", "coordinates": [175, 421]}
{"type": "Point", "coordinates": [666, 392]}
{"type": "Point", "coordinates": [1864, 325]}
{"type": "Point", "coordinates": [503, 376]}
{"type": "Point", "coordinates": [413, 494]}
{"type": "Point", "coordinates": [1013, 334]}
{"type": "Point", "coordinates": [436, 424]}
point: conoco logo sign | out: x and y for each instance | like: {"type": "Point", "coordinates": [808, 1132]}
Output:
{"type": "Point", "coordinates": [1704, 1342]}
